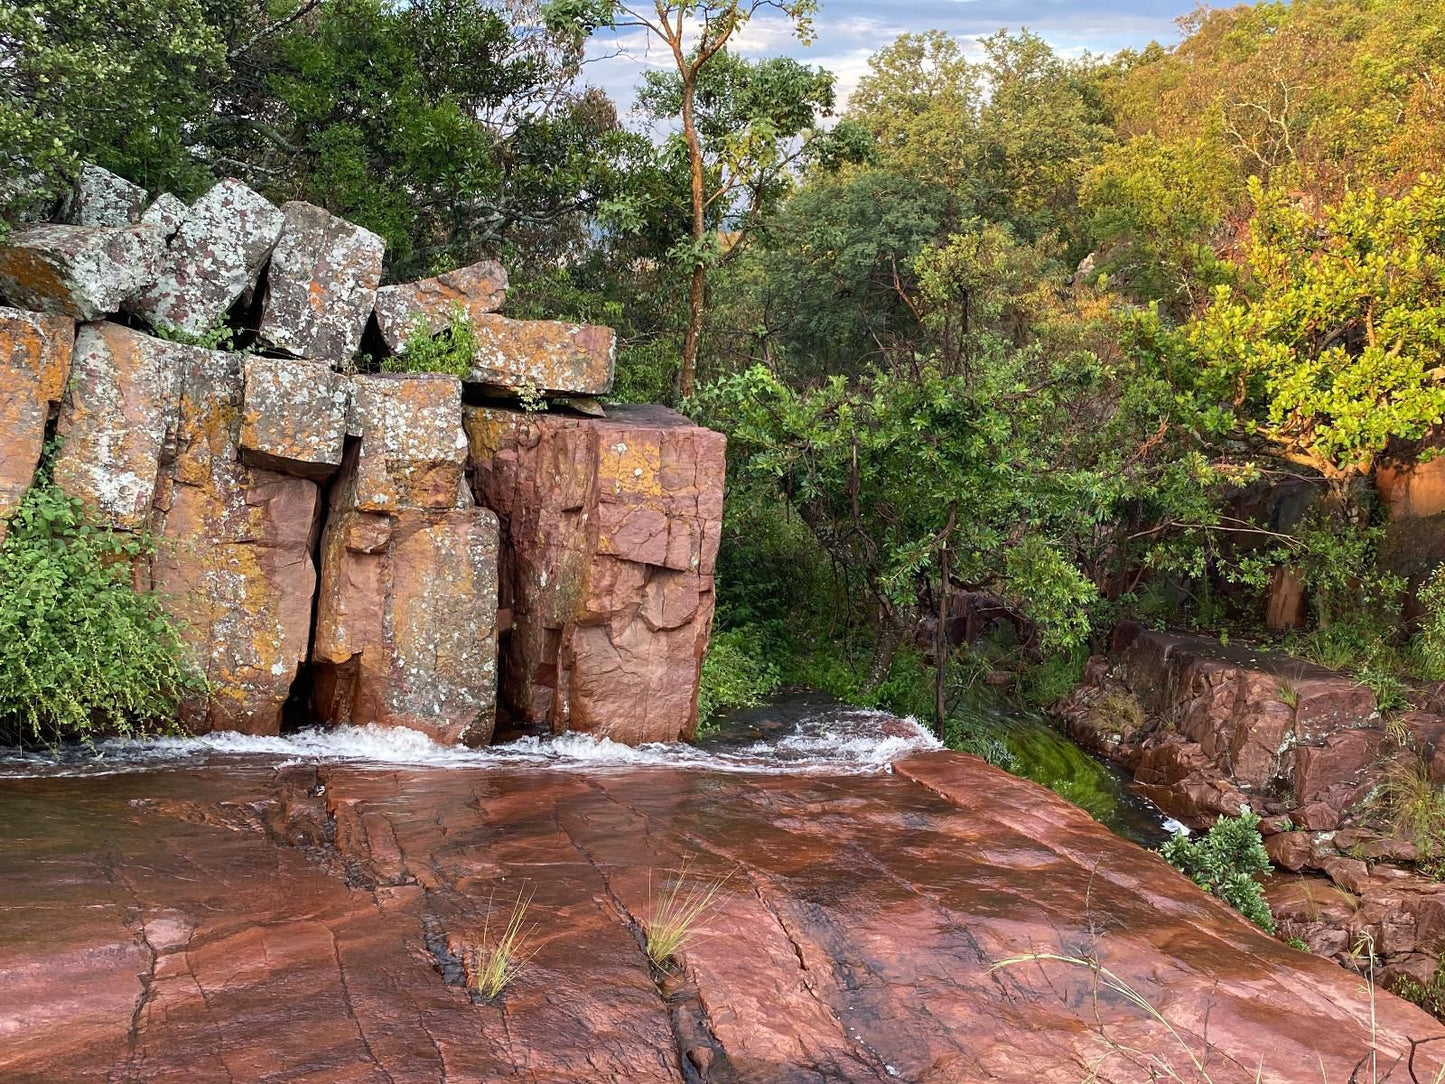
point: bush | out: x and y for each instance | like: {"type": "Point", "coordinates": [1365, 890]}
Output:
{"type": "Point", "coordinates": [1224, 863]}
{"type": "Point", "coordinates": [735, 674]}
{"type": "Point", "coordinates": [1413, 806]}
{"type": "Point", "coordinates": [81, 651]}
{"type": "Point", "coordinates": [451, 351]}
{"type": "Point", "coordinates": [1430, 640]}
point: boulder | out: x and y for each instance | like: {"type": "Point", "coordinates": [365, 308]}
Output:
{"type": "Point", "coordinates": [80, 271]}
{"type": "Point", "coordinates": [429, 305]}
{"type": "Point", "coordinates": [293, 416]}
{"type": "Point", "coordinates": [413, 450]}
{"type": "Point", "coordinates": [214, 256]}
{"type": "Point", "coordinates": [233, 564]}
{"type": "Point", "coordinates": [406, 621]}
{"type": "Point", "coordinates": [35, 352]}
{"type": "Point", "coordinates": [543, 355]}
{"type": "Point", "coordinates": [321, 285]}
{"type": "Point", "coordinates": [116, 419]}
{"type": "Point", "coordinates": [612, 527]}
{"type": "Point", "coordinates": [100, 198]}
{"type": "Point", "coordinates": [1336, 771]}
{"type": "Point", "coordinates": [166, 214]}
{"type": "Point", "coordinates": [1412, 490]}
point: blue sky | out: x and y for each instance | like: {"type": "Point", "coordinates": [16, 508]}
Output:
{"type": "Point", "coordinates": [849, 31]}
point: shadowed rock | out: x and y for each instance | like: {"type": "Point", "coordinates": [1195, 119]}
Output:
{"type": "Point", "coordinates": [79, 271]}
{"type": "Point", "coordinates": [321, 285]}
{"type": "Point", "coordinates": [35, 354]}
{"type": "Point", "coordinates": [429, 305]}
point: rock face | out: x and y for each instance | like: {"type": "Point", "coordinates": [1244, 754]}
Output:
{"type": "Point", "coordinates": [856, 926]}
{"type": "Point", "coordinates": [233, 561]}
{"type": "Point", "coordinates": [214, 256]}
{"type": "Point", "coordinates": [79, 271]}
{"type": "Point", "coordinates": [575, 359]}
{"type": "Point", "coordinates": [294, 417]}
{"type": "Point", "coordinates": [407, 615]}
{"type": "Point", "coordinates": [100, 198]}
{"type": "Point", "coordinates": [612, 528]}
{"type": "Point", "coordinates": [166, 214]}
{"type": "Point", "coordinates": [430, 304]}
{"type": "Point", "coordinates": [35, 352]}
{"type": "Point", "coordinates": [321, 287]}
{"type": "Point", "coordinates": [118, 416]}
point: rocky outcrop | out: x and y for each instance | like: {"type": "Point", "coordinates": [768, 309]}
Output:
{"type": "Point", "coordinates": [541, 355]}
{"type": "Point", "coordinates": [612, 528]}
{"type": "Point", "coordinates": [216, 254]}
{"type": "Point", "coordinates": [427, 307]}
{"type": "Point", "coordinates": [243, 921]}
{"type": "Point", "coordinates": [35, 353]}
{"type": "Point", "coordinates": [321, 286]}
{"type": "Point", "coordinates": [83, 272]}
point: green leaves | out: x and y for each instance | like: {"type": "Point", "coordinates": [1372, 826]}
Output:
{"type": "Point", "coordinates": [1224, 862]}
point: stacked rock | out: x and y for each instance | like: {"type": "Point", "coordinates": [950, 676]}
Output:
{"type": "Point", "coordinates": [332, 542]}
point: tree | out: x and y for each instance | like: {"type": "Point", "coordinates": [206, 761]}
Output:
{"type": "Point", "coordinates": [695, 32]}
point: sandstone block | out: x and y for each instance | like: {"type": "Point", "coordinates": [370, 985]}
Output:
{"type": "Point", "coordinates": [406, 621]}
{"type": "Point", "coordinates": [79, 271]}
{"type": "Point", "coordinates": [293, 416]}
{"type": "Point", "coordinates": [413, 449]}
{"type": "Point", "coordinates": [100, 198]}
{"type": "Point", "coordinates": [543, 354]}
{"type": "Point", "coordinates": [1412, 490]}
{"type": "Point", "coordinates": [166, 214]}
{"type": "Point", "coordinates": [35, 352]}
{"type": "Point", "coordinates": [428, 305]}
{"type": "Point", "coordinates": [321, 287]}
{"type": "Point", "coordinates": [612, 527]}
{"type": "Point", "coordinates": [213, 258]}
{"type": "Point", "coordinates": [233, 562]}
{"type": "Point", "coordinates": [117, 419]}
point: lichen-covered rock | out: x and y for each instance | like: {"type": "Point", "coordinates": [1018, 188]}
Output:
{"type": "Point", "coordinates": [233, 564]}
{"type": "Point", "coordinates": [428, 305]}
{"type": "Point", "coordinates": [166, 214]}
{"type": "Point", "coordinates": [406, 621]}
{"type": "Point", "coordinates": [543, 355]}
{"type": "Point", "coordinates": [294, 416]}
{"type": "Point", "coordinates": [214, 256]}
{"type": "Point", "coordinates": [612, 527]}
{"type": "Point", "coordinates": [80, 271]}
{"type": "Point", "coordinates": [35, 352]}
{"type": "Point", "coordinates": [100, 198]}
{"type": "Point", "coordinates": [118, 416]}
{"type": "Point", "coordinates": [321, 286]}
{"type": "Point", "coordinates": [413, 451]}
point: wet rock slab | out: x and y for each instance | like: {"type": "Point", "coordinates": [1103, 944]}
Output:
{"type": "Point", "coordinates": [242, 922]}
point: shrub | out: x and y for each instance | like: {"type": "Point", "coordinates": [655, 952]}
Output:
{"type": "Point", "coordinates": [1224, 863]}
{"type": "Point", "coordinates": [451, 351]}
{"type": "Point", "coordinates": [81, 651]}
{"type": "Point", "coordinates": [735, 673]}
{"type": "Point", "coordinates": [1430, 640]}
{"type": "Point", "coordinates": [1413, 806]}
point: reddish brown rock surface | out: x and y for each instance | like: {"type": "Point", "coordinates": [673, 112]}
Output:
{"type": "Point", "coordinates": [35, 353]}
{"type": "Point", "coordinates": [294, 416]}
{"type": "Point", "coordinates": [611, 529]}
{"type": "Point", "coordinates": [413, 451]}
{"type": "Point", "coordinates": [244, 923]}
{"type": "Point", "coordinates": [543, 355]}
{"type": "Point", "coordinates": [429, 305]}
{"type": "Point", "coordinates": [79, 271]}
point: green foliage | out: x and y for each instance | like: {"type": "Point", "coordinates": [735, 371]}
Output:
{"type": "Point", "coordinates": [1412, 806]}
{"type": "Point", "coordinates": [735, 674]}
{"type": "Point", "coordinates": [1429, 995]}
{"type": "Point", "coordinates": [1391, 694]}
{"type": "Point", "coordinates": [1225, 862]}
{"type": "Point", "coordinates": [81, 652]}
{"type": "Point", "coordinates": [451, 351]}
{"type": "Point", "coordinates": [1430, 639]}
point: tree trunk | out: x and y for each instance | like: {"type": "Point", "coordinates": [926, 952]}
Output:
{"type": "Point", "coordinates": [890, 638]}
{"type": "Point", "coordinates": [942, 649]}
{"type": "Point", "coordinates": [697, 290]}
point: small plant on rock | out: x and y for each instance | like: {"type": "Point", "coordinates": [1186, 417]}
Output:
{"type": "Point", "coordinates": [1413, 806]}
{"type": "Point", "coordinates": [451, 351]}
{"type": "Point", "coordinates": [1225, 862]}
{"type": "Point", "coordinates": [674, 916]}
{"type": "Point", "coordinates": [500, 957]}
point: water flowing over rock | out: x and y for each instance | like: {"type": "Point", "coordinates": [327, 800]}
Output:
{"type": "Point", "coordinates": [612, 528]}
{"type": "Point", "coordinates": [543, 355]}
{"type": "Point", "coordinates": [100, 198]}
{"type": "Point", "coordinates": [249, 920]}
{"type": "Point", "coordinates": [213, 258]}
{"type": "Point", "coordinates": [80, 271]}
{"type": "Point", "coordinates": [321, 285]}
{"type": "Point", "coordinates": [429, 305]}
{"type": "Point", "coordinates": [35, 352]}
{"type": "Point", "coordinates": [294, 416]}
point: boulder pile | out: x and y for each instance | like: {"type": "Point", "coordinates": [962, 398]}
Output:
{"type": "Point", "coordinates": [353, 546]}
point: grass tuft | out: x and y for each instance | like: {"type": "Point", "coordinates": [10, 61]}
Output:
{"type": "Point", "coordinates": [675, 916]}
{"type": "Point", "coordinates": [500, 959]}
{"type": "Point", "coordinates": [1413, 806]}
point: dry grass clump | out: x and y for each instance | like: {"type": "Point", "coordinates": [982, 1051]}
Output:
{"type": "Point", "coordinates": [498, 960]}
{"type": "Point", "coordinates": [1413, 806]}
{"type": "Point", "coordinates": [675, 915]}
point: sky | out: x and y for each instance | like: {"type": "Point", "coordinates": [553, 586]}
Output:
{"type": "Point", "coordinates": [849, 31]}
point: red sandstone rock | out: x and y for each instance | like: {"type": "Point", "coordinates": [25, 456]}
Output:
{"type": "Point", "coordinates": [544, 355]}
{"type": "Point", "coordinates": [429, 305]}
{"type": "Point", "coordinates": [1338, 767]}
{"type": "Point", "coordinates": [83, 272]}
{"type": "Point", "coordinates": [294, 416]}
{"type": "Point", "coordinates": [413, 451]}
{"type": "Point", "coordinates": [233, 561]}
{"type": "Point", "coordinates": [613, 528]}
{"type": "Point", "coordinates": [1289, 850]}
{"type": "Point", "coordinates": [35, 352]}
{"type": "Point", "coordinates": [1412, 490]}
{"type": "Point", "coordinates": [118, 415]}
